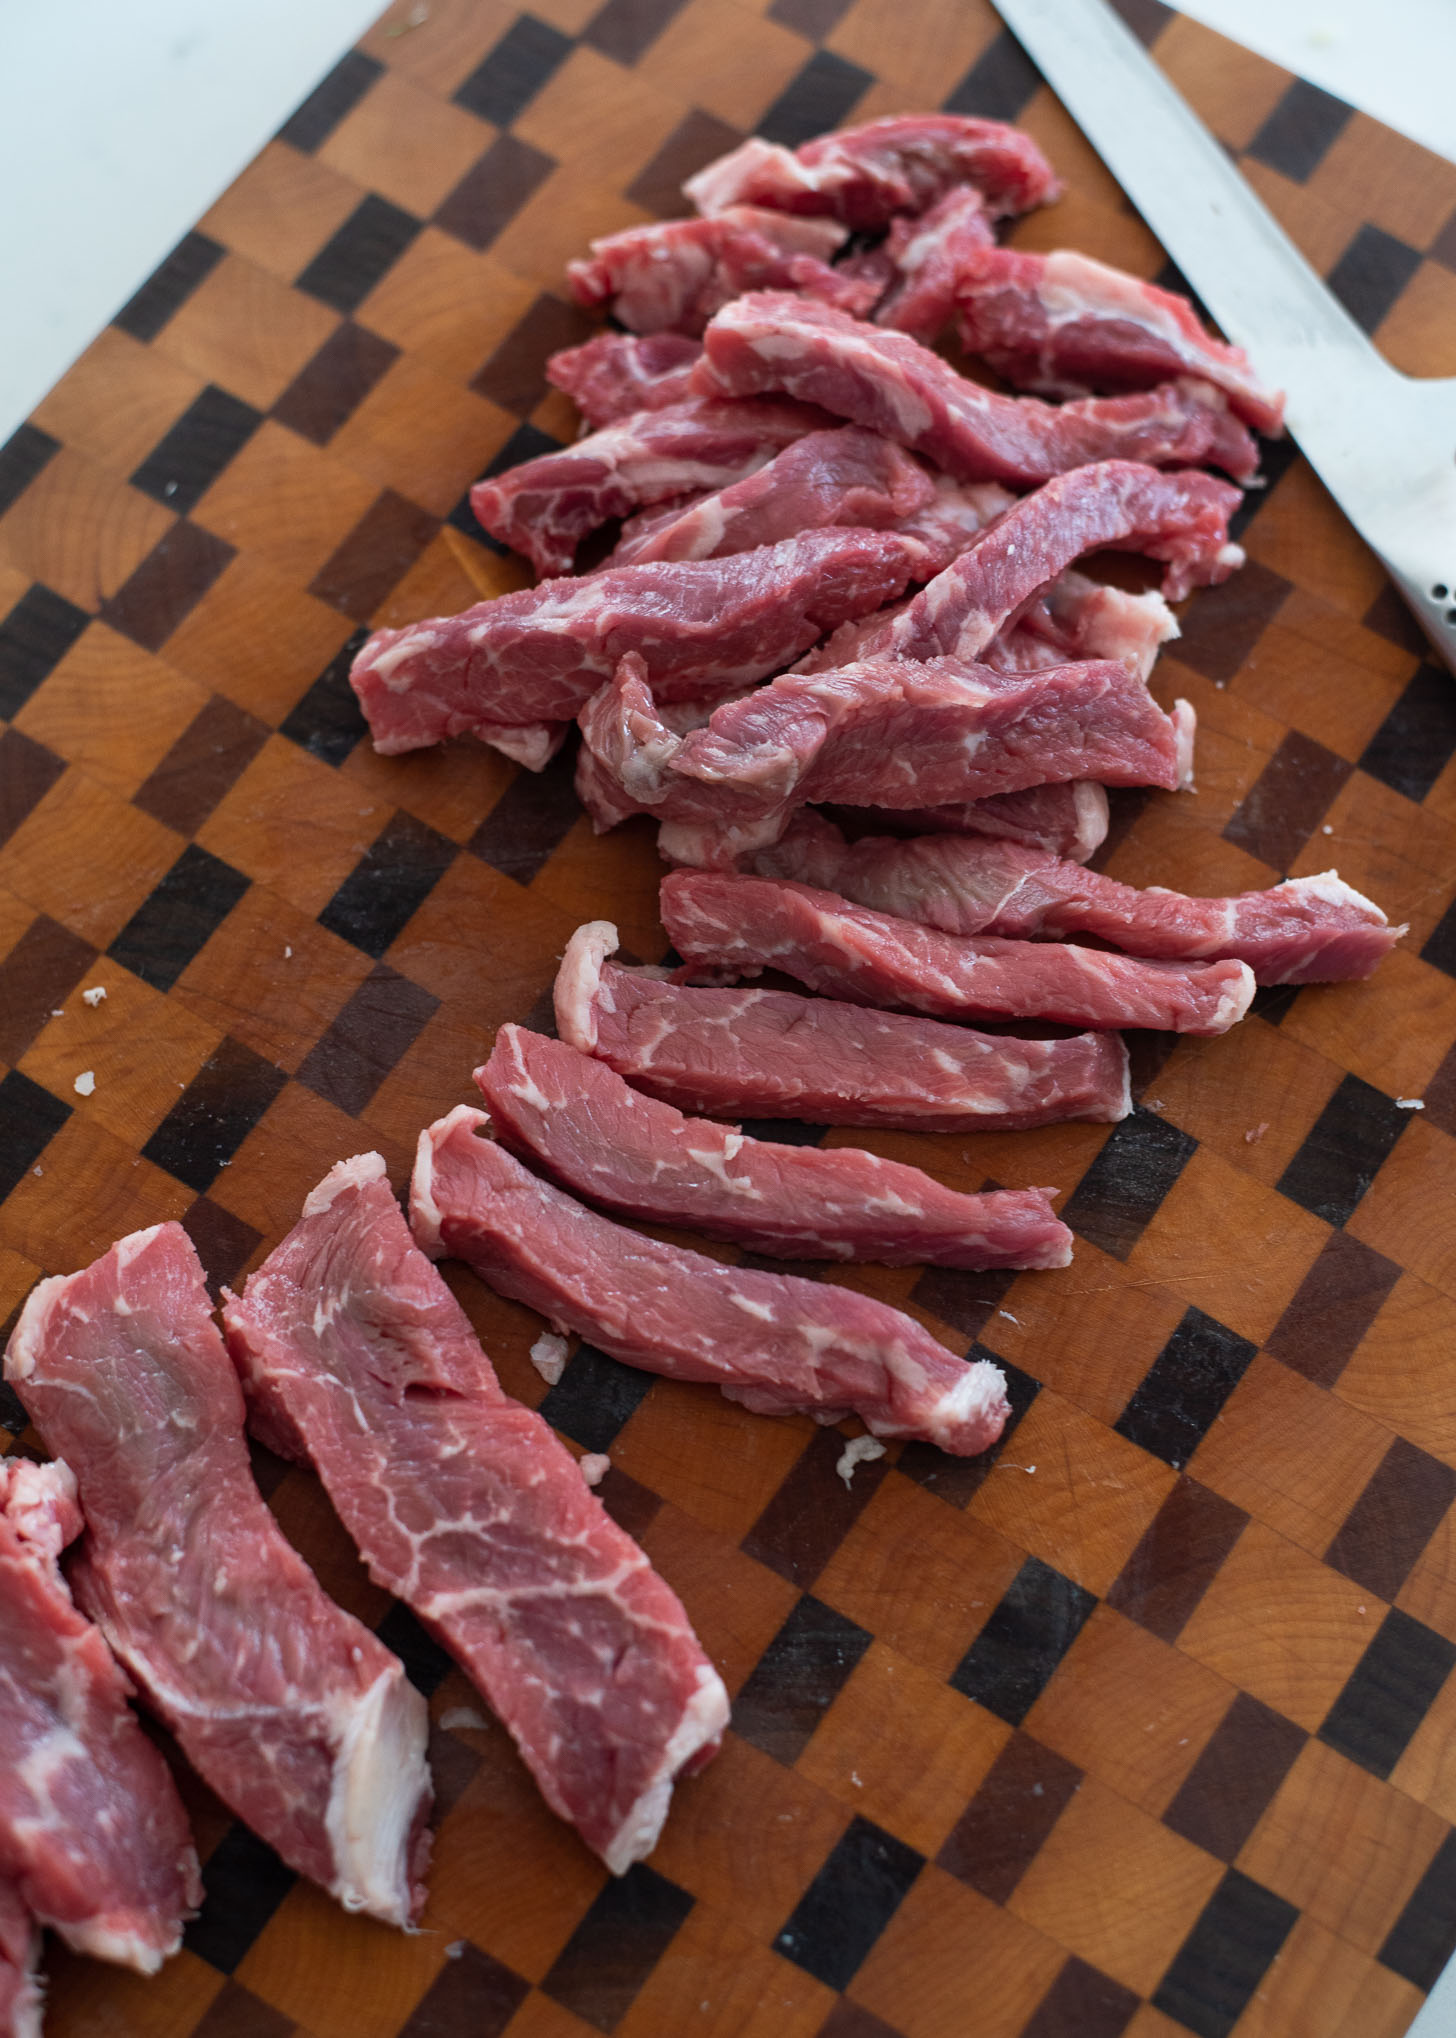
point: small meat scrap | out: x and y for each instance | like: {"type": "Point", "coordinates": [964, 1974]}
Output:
{"type": "Point", "coordinates": [1308, 930]}
{"type": "Point", "coordinates": [1074, 617]}
{"type": "Point", "coordinates": [1065, 325]}
{"type": "Point", "coordinates": [748, 924]}
{"type": "Point", "coordinates": [672, 275]}
{"type": "Point", "coordinates": [770, 342]}
{"type": "Point", "coordinates": [546, 506]}
{"type": "Point", "coordinates": [93, 1838]}
{"type": "Point", "coordinates": [1069, 820]}
{"type": "Point", "coordinates": [575, 1119]}
{"type": "Point", "coordinates": [866, 175]}
{"type": "Point", "coordinates": [290, 1709]}
{"type": "Point", "coordinates": [614, 374]}
{"type": "Point", "coordinates": [516, 670]}
{"type": "Point", "coordinates": [773, 1054]}
{"type": "Point", "coordinates": [882, 733]}
{"type": "Point", "coordinates": [1180, 519]}
{"type": "Point", "coordinates": [776, 1343]}
{"type": "Point", "coordinates": [928, 257]}
{"type": "Point", "coordinates": [845, 476]}
{"type": "Point", "coordinates": [356, 1358]}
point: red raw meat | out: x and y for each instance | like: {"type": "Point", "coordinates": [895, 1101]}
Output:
{"type": "Point", "coordinates": [865, 175]}
{"type": "Point", "coordinates": [672, 275]}
{"type": "Point", "coordinates": [514, 671]}
{"type": "Point", "coordinates": [573, 1117]}
{"type": "Point", "coordinates": [1308, 930]}
{"type": "Point", "coordinates": [1064, 325]}
{"type": "Point", "coordinates": [1074, 617]}
{"type": "Point", "coordinates": [615, 374]}
{"type": "Point", "coordinates": [747, 924]}
{"type": "Point", "coordinates": [928, 256]}
{"type": "Point", "coordinates": [1181, 519]}
{"type": "Point", "coordinates": [93, 1838]}
{"type": "Point", "coordinates": [844, 476]}
{"type": "Point", "coordinates": [294, 1713]}
{"type": "Point", "coordinates": [546, 506]}
{"type": "Point", "coordinates": [773, 1054]}
{"type": "Point", "coordinates": [21, 1995]}
{"type": "Point", "coordinates": [883, 733]}
{"type": "Point", "coordinates": [777, 1344]}
{"type": "Point", "coordinates": [772, 342]}
{"type": "Point", "coordinates": [1070, 820]}
{"type": "Point", "coordinates": [357, 1358]}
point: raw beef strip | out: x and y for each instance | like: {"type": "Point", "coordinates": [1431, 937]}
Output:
{"type": "Point", "coordinates": [748, 924]}
{"type": "Point", "coordinates": [290, 1709]}
{"type": "Point", "coordinates": [773, 1054]}
{"type": "Point", "coordinates": [356, 1357]}
{"type": "Point", "coordinates": [928, 256]}
{"type": "Point", "coordinates": [1074, 617]}
{"type": "Point", "coordinates": [958, 511]}
{"type": "Point", "coordinates": [516, 669]}
{"type": "Point", "coordinates": [1308, 930]}
{"type": "Point", "coordinates": [845, 476]}
{"type": "Point", "coordinates": [1064, 325]}
{"type": "Point", "coordinates": [20, 1989]}
{"type": "Point", "coordinates": [776, 1343]}
{"type": "Point", "coordinates": [772, 342]}
{"type": "Point", "coordinates": [615, 374]}
{"type": "Point", "coordinates": [1181, 519]}
{"type": "Point", "coordinates": [546, 506]}
{"type": "Point", "coordinates": [865, 175]}
{"type": "Point", "coordinates": [880, 734]}
{"type": "Point", "coordinates": [672, 275]}
{"type": "Point", "coordinates": [574, 1118]}
{"type": "Point", "coordinates": [1070, 820]}
{"type": "Point", "coordinates": [93, 1838]}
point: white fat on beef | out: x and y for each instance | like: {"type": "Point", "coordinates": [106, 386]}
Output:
{"type": "Point", "coordinates": [21, 1995]}
{"type": "Point", "coordinates": [773, 1054]}
{"type": "Point", "coordinates": [571, 1116]}
{"type": "Point", "coordinates": [773, 343]}
{"type": "Point", "coordinates": [1306, 930]}
{"type": "Point", "coordinates": [747, 924]}
{"type": "Point", "coordinates": [95, 1840]}
{"type": "Point", "coordinates": [466, 1506]}
{"type": "Point", "coordinates": [774, 1342]}
{"type": "Point", "coordinates": [614, 374]}
{"type": "Point", "coordinates": [291, 1710]}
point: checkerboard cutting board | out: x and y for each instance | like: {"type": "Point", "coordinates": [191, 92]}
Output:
{"type": "Point", "coordinates": [1147, 1725]}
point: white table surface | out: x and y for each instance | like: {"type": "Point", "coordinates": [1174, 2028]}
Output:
{"type": "Point", "coordinates": [122, 120]}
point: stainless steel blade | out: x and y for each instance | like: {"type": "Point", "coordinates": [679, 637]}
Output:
{"type": "Point", "coordinates": [1383, 443]}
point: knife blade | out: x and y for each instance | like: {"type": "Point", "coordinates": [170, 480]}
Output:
{"type": "Point", "coordinates": [1383, 443]}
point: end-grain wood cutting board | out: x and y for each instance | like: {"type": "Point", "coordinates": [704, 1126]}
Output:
{"type": "Point", "coordinates": [1147, 1725]}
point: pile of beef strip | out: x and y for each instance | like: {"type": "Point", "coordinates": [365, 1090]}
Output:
{"type": "Point", "coordinates": [833, 635]}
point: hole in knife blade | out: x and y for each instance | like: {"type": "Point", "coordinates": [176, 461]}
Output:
{"type": "Point", "coordinates": [1440, 591]}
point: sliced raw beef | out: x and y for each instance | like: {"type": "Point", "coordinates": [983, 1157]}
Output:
{"type": "Point", "coordinates": [672, 275]}
{"type": "Point", "coordinates": [546, 506]}
{"type": "Point", "coordinates": [879, 734]}
{"type": "Point", "coordinates": [515, 670]}
{"type": "Point", "coordinates": [773, 343]}
{"type": "Point", "coordinates": [573, 1117]}
{"type": "Point", "coordinates": [1181, 519]}
{"type": "Point", "coordinates": [772, 1054]}
{"type": "Point", "coordinates": [21, 1996]}
{"type": "Point", "coordinates": [748, 924]}
{"type": "Point", "coordinates": [959, 510]}
{"type": "Point", "coordinates": [93, 1838]}
{"type": "Point", "coordinates": [865, 175]}
{"type": "Point", "coordinates": [1074, 617]}
{"type": "Point", "coordinates": [357, 1358]}
{"type": "Point", "coordinates": [1070, 821]}
{"type": "Point", "coordinates": [615, 374]}
{"type": "Point", "coordinates": [1308, 930]}
{"type": "Point", "coordinates": [290, 1709]}
{"type": "Point", "coordinates": [928, 256]}
{"type": "Point", "coordinates": [777, 1344]}
{"type": "Point", "coordinates": [845, 476]}
{"type": "Point", "coordinates": [1064, 325]}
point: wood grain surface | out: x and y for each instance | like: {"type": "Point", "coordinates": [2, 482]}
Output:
{"type": "Point", "coordinates": [1146, 1725]}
